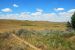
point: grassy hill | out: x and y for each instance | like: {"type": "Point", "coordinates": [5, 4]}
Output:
{"type": "Point", "coordinates": [8, 25]}
{"type": "Point", "coordinates": [35, 35]}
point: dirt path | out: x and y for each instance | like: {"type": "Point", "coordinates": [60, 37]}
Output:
{"type": "Point", "coordinates": [25, 42]}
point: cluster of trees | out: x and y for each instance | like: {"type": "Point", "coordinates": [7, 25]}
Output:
{"type": "Point", "coordinates": [72, 23]}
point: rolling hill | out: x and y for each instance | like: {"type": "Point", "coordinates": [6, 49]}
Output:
{"type": "Point", "coordinates": [35, 35]}
{"type": "Point", "coordinates": [9, 25]}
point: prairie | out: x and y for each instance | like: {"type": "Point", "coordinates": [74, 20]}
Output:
{"type": "Point", "coordinates": [9, 25]}
{"type": "Point", "coordinates": [35, 35]}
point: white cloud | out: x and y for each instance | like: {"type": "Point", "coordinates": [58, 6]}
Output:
{"type": "Point", "coordinates": [39, 10]}
{"type": "Point", "coordinates": [24, 14]}
{"type": "Point", "coordinates": [15, 5]}
{"type": "Point", "coordinates": [39, 15]}
{"type": "Point", "coordinates": [71, 11]}
{"type": "Point", "coordinates": [8, 16]}
{"type": "Point", "coordinates": [36, 13]}
{"type": "Point", "coordinates": [58, 9]}
{"type": "Point", "coordinates": [65, 14]}
{"type": "Point", "coordinates": [6, 10]}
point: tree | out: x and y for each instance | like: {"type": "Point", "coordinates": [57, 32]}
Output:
{"type": "Point", "coordinates": [69, 27]}
{"type": "Point", "coordinates": [73, 21]}
{"type": "Point", "coordinates": [68, 24]}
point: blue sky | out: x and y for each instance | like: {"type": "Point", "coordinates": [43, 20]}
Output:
{"type": "Point", "coordinates": [45, 10]}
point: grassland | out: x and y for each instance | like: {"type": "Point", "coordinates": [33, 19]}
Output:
{"type": "Point", "coordinates": [35, 35]}
{"type": "Point", "coordinates": [9, 25]}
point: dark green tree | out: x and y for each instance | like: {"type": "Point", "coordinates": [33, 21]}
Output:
{"type": "Point", "coordinates": [73, 21]}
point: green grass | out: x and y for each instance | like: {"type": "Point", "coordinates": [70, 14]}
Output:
{"type": "Point", "coordinates": [49, 40]}
{"type": "Point", "coordinates": [44, 35]}
{"type": "Point", "coordinates": [46, 40]}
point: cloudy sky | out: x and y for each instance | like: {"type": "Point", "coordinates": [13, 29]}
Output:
{"type": "Point", "coordinates": [37, 10]}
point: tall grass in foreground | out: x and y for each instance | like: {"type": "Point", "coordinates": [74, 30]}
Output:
{"type": "Point", "coordinates": [48, 39]}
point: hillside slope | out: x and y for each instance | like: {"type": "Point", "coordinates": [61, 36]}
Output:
{"type": "Point", "coordinates": [10, 41]}
{"type": "Point", "coordinates": [9, 25]}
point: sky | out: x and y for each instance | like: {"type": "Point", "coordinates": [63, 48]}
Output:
{"type": "Point", "coordinates": [37, 10]}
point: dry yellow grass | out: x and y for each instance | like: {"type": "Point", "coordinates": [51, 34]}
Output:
{"type": "Point", "coordinates": [9, 25]}
{"type": "Point", "coordinates": [13, 42]}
